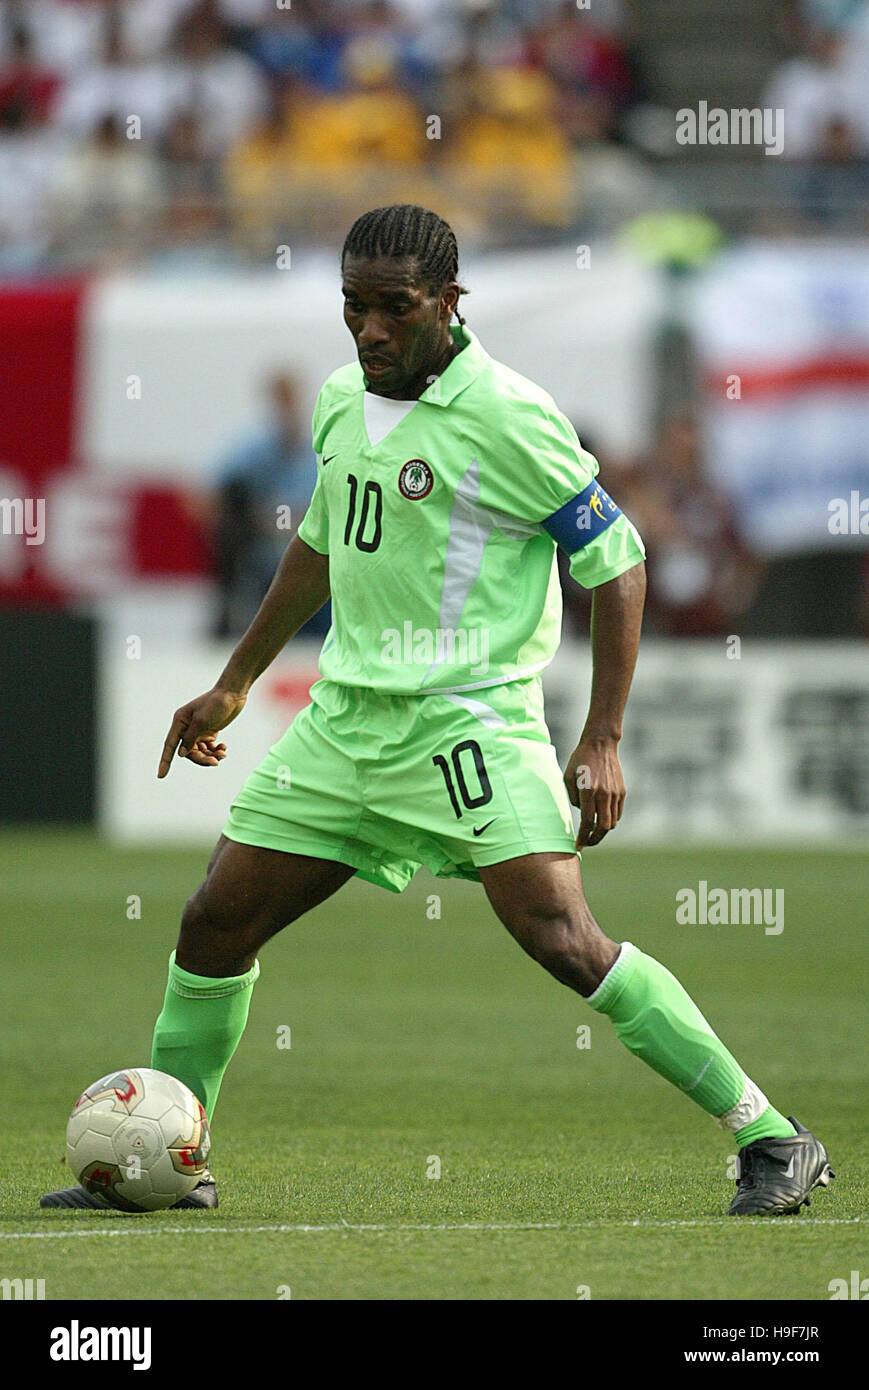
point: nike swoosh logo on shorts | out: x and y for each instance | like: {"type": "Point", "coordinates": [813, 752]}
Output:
{"type": "Point", "coordinates": [486, 826]}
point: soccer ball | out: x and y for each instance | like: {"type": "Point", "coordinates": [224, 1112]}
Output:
{"type": "Point", "coordinates": [138, 1138]}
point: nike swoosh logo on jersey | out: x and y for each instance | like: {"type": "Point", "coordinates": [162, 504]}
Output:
{"type": "Point", "coordinates": [329, 459]}
{"type": "Point", "coordinates": [485, 827]}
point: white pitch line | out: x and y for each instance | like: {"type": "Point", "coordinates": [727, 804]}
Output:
{"type": "Point", "coordinates": [421, 1228]}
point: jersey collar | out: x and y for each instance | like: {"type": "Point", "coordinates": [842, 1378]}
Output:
{"type": "Point", "coordinates": [461, 371]}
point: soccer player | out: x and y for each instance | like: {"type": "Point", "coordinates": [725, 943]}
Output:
{"type": "Point", "coordinates": [445, 482]}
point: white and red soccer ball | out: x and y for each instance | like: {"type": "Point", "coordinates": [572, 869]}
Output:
{"type": "Point", "coordinates": [139, 1139]}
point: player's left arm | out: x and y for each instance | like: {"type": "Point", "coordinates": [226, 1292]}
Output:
{"type": "Point", "coordinates": [606, 555]}
{"type": "Point", "coordinates": [549, 479]}
{"type": "Point", "coordinates": [593, 775]}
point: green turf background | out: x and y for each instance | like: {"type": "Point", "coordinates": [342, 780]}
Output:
{"type": "Point", "coordinates": [561, 1168]}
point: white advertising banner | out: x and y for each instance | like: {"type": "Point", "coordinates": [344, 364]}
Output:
{"type": "Point", "coordinates": [768, 745]}
{"type": "Point", "coordinates": [764, 745]}
{"type": "Point", "coordinates": [139, 694]}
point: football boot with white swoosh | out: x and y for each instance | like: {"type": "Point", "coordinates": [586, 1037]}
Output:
{"type": "Point", "coordinates": [776, 1176]}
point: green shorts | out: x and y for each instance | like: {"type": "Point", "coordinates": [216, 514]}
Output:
{"type": "Point", "coordinates": [387, 783]}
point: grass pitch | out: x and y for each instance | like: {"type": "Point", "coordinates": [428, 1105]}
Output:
{"type": "Point", "coordinates": [422, 1045]}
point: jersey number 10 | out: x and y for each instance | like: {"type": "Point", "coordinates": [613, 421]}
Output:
{"type": "Point", "coordinates": [371, 492]}
{"type": "Point", "coordinates": [484, 795]}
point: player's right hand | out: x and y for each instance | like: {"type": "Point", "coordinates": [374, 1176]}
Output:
{"type": "Point", "coordinates": [195, 727]}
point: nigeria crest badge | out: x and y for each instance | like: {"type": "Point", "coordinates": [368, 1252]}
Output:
{"type": "Point", "coordinates": [415, 480]}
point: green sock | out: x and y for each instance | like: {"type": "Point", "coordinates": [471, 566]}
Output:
{"type": "Point", "coordinates": [770, 1125]}
{"type": "Point", "coordinates": [655, 1019]}
{"type": "Point", "coordinates": [200, 1027]}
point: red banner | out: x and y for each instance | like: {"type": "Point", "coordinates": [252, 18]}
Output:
{"type": "Point", "coordinates": [65, 533]}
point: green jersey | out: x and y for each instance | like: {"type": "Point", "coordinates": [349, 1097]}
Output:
{"type": "Point", "coordinates": [441, 518]}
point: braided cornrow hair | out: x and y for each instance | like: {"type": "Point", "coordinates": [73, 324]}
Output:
{"type": "Point", "coordinates": [404, 229]}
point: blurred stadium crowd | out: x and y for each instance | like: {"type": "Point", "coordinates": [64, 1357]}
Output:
{"type": "Point", "coordinates": [211, 130]}
{"type": "Point", "coordinates": [143, 128]}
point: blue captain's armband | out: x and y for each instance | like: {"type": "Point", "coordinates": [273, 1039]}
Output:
{"type": "Point", "coordinates": [581, 520]}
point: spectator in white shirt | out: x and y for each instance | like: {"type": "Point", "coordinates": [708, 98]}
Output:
{"type": "Point", "coordinates": [816, 91]}
{"type": "Point", "coordinates": [222, 85]}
